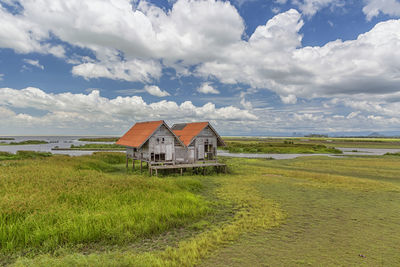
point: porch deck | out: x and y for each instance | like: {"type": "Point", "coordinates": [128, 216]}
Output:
{"type": "Point", "coordinates": [186, 166]}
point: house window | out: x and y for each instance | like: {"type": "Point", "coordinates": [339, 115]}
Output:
{"type": "Point", "coordinates": [162, 140]}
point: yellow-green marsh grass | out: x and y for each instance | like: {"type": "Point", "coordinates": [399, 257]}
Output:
{"type": "Point", "coordinates": [67, 201]}
{"type": "Point", "coordinates": [315, 211]}
{"type": "Point", "coordinates": [283, 147]}
{"type": "Point", "coordinates": [348, 142]}
{"type": "Point", "coordinates": [336, 215]}
{"type": "Point", "coordinates": [253, 212]}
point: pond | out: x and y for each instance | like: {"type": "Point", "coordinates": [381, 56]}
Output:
{"type": "Point", "coordinates": [53, 141]}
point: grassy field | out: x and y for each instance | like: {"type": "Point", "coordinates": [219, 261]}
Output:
{"type": "Point", "coordinates": [92, 147]}
{"type": "Point", "coordinates": [341, 212]}
{"type": "Point", "coordinates": [85, 202]}
{"type": "Point", "coordinates": [27, 142]}
{"type": "Point", "coordinates": [283, 147]}
{"type": "Point", "coordinates": [347, 142]}
{"type": "Point", "coordinates": [100, 139]}
{"type": "Point", "coordinates": [393, 154]}
{"type": "Point", "coordinates": [23, 155]}
{"type": "Point", "coordinates": [311, 211]}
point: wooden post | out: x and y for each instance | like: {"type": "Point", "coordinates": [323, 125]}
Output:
{"type": "Point", "coordinates": [133, 164]}
{"type": "Point", "coordinates": [156, 172]}
{"type": "Point", "coordinates": [141, 165]}
{"type": "Point", "coordinates": [225, 168]}
{"type": "Point", "coordinates": [181, 171]}
{"type": "Point", "coordinates": [204, 170]}
{"type": "Point", "coordinates": [127, 159]}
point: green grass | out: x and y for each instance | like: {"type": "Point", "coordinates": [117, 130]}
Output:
{"type": "Point", "coordinates": [23, 155]}
{"type": "Point", "coordinates": [347, 142]}
{"type": "Point", "coordinates": [393, 154]}
{"type": "Point", "coordinates": [100, 139]}
{"type": "Point", "coordinates": [94, 147]}
{"type": "Point", "coordinates": [285, 147]}
{"type": "Point", "coordinates": [80, 201]}
{"type": "Point", "coordinates": [27, 142]}
{"type": "Point", "coordinates": [310, 211]}
{"type": "Point", "coordinates": [104, 146]}
{"type": "Point", "coordinates": [7, 138]}
{"type": "Point", "coordinates": [341, 139]}
{"type": "Point", "coordinates": [337, 210]}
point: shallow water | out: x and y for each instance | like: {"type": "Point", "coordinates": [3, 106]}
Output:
{"type": "Point", "coordinates": [346, 151]}
{"type": "Point", "coordinates": [368, 151]}
{"type": "Point", "coordinates": [67, 141]}
{"type": "Point", "coordinates": [54, 141]}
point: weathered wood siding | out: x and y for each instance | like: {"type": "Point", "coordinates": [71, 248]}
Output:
{"type": "Point", "coordinates": [162, 143]}
{"type": "Point", "coordinates": [160, 146]}
{"type": "Point", "coordinates": [206, 136]}
{"type": "Point", "coordinates": [196, 149]}
{"type": "Point", "coordinates": [180, 153]}
{"type": "Point", "coordinates": [129, 152]}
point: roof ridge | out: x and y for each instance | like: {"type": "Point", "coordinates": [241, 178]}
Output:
{"type": "Point", "coordinates": [191, 133]}
{"type": "Point", "coordinates": [139, 133]}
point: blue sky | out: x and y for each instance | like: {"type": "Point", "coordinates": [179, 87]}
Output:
{"type": "Point", "coordinates": [251, 67]}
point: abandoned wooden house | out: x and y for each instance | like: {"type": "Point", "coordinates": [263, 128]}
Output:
{"type": "Point", "coordinates": [151, 142]}
{"type": "Point", "coordinates": [181, 147]}
{"type": "Point", "coordinates": [200, 140]}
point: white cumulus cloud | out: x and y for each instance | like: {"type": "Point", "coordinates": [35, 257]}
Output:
{"type": "Point", "coordinates": [206, 88]}
{"type": "Point", "coordinates": [34, 63]}
{"type": "Point", "coordinates": [24, 36]}
{"type": "Point", "coordinates": [374, 7]}
{"type": "Point", "coordinates": [155, 90]}
{"type": "Point", "coordinates": [139, 34]}
{"type": "Point", "coordinates": [368, 64]}
{"type": "Point", "coordinates": [134, 42]}
{"type": "Point", "coordinates": [93, 113]}
{"type": "Point", "coordinates": [289, 99]}
{"type": "Point", "coordinates": [133, 70]}
{"type": "Point", "coordinates": [310, 7]}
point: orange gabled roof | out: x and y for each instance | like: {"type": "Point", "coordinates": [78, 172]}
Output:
{"type": "Point", "coordinates": [139, 133]}
{"type": "Point", "coordinates": [186, 132]}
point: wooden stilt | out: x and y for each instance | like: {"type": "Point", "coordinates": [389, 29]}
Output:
{"type": "Point", "coordinates": [141, 165]}
{"type": "Point", "coordinates": [133, 164]}
{"type": "Point", "coordinates": [181, 168]}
